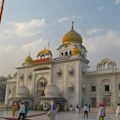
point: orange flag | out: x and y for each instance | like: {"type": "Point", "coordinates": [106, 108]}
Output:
{"type": "Point", "coordinates": [1, 10]}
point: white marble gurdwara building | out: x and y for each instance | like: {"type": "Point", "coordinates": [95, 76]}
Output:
{"type": "Point", "coordinates": [65, 79]}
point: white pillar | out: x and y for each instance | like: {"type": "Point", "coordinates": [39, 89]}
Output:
{"type": "Point", "coordinates": [34, 86]}
{"type": "Point", "coordinates": [77, 85]}
{"type": "Point", "coordinates": [25, 78]}
{"type": "Point", "coordinates": [98, 92]}
{"type": "Point", "coordinates": [65, 79]}
{"type": "Point", "coordinates": [80, 84]}
{"type": "Point", "coordinates": [51, 81]}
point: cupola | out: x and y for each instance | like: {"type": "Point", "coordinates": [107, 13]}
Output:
{"type": "Point", "coordinates": [72, 36]}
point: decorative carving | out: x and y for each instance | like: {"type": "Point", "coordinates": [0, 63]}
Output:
{"type": "Point", "coordinates": [70, 87]}
{"type": "Point", "coordinates": [30, 76]}
{"type": "Point", "coordinates": [59, 72]}
{"type": "Point", "coordinates": [71, 72]}
{"type": "Point", "coordinates": [22, 77]}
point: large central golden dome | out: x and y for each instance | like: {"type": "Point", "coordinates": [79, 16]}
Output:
{"type": "Point", "coordinates": [72, 36]}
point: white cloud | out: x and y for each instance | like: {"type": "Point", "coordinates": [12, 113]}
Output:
{"type": "Point", "coordinates": [72, 18]}
{"type": "Point", "coordinates": [117, 2]}
{"type": "Point", "coordinates": [92, 31]}
{"type": "Point", "coordinates": [27, 28]}
{"type": "Point", "coordinates": [63, 19]}
{"type": "Point", "coordinates": [103, 46]}
{"type": "Point", "coordinates": [35, 46]}
{"type": "Point", "coordinates": [18, 39]}
{"type": "Point", "coordinates": [12, 55]}
{"type": "Point", "coordinates": [22, 29]}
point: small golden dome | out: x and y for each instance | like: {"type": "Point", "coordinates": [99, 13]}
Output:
{"type": "Point", "coordinates": [44, 52]}
{"type": "Point", "coordinates": [75, 51]}
{"type": "Point", "coordinates": [28, 59]}
{"type": "Point", "coordinates": [72, 36]}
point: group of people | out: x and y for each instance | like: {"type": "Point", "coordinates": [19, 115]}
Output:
{"type": "Point", "coordinates": [101, 111]}
{"type": "Point", "coordinates": [72, 108]}
{"type": "Point", "coordinates": [86, 109]}
{"type": "Point", "coordinates": [19, 110]}
{"type": "Point", "coordinates": [22, 111]}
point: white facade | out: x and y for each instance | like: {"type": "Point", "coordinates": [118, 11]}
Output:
{"type": "Point", "coordinates": [69, 73]}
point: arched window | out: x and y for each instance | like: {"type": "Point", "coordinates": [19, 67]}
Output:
{"type": "Point", "coordinates": [66, 53]}
{"type": "Point", "coordinates": [93, 88]}
{"type": "Point", "coordinates": [61, 54]}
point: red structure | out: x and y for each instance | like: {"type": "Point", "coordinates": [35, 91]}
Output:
{"type": "Point", "coordinates": [1, 10]}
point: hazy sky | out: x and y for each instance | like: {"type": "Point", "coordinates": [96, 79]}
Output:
{"type": "Point", "coordinates": [28, 25]}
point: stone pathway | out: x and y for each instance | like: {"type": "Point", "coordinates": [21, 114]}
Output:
{"type": "Point", "coordinates": [36, 115]}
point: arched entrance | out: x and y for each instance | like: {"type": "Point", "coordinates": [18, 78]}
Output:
{"type": "Point", "coordinates": [41, 85]}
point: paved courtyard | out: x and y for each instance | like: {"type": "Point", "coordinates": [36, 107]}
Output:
{"type": "Point", "coordinates": [36, 115]}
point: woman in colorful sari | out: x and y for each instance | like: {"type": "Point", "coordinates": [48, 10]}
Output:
{"type": "Point", "coordinates": [101, 112]}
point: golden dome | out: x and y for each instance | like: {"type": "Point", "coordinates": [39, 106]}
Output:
{"type": "Point", "coordinates": [72, 36]}
{"type": "Point", "coordinates": [28, 59]}
{"type": "Point", "coordinates": [75, 51]}
{"type": "Point", "coordinates": [44, 52]}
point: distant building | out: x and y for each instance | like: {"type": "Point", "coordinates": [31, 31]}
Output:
{"type": "Point", "coordinates": [65, 78]}
{"type": "Point", "coordinates": [3, 81]}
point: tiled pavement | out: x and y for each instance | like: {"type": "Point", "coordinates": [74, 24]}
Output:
{"type": "Point", "coordinates": [60, 116]}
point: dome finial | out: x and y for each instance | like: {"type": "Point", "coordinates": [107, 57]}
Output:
{"type": "Point", "coordinates": [72, 25]}
{"type": "Point", "coordinates": [29, 53]}
{"type": "Point", "coordinates": [48, 43]}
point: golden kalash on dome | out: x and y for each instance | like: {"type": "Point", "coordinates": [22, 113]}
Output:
{"type": "Point", "coordinates": [72, 36]}
{"type": "Point", "coordinates": [28, 59]}
{"type": "Point", "coordinates": [45, 53]}
{"type": "Point", "coordinates": [75, 51]}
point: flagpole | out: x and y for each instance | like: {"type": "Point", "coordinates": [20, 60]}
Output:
{"type": "Point", "coordinates": [1, 10]}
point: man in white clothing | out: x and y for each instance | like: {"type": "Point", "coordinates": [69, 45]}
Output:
{"type": "Point", "coordinates": [85, 109]}
{"type": "Point", "coordinates": [22, 111]}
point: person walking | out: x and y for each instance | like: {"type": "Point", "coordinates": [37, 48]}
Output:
{"type": "Point", "coordinates": [22, 111]}
{"type": "Point", "coordinates": [14, 110]}
{"type": "Point", "coordinates": [79, 107]}
{"type": "Point", "coordinates": [118, 112]}
{"type": "Point", "coordinates": [18, 108]}
{"type": "Point", "coordinates": [52, 113]}
{"type": "Point", "coordinates": [101, 112]}
{"type": "Point", "coordinates": [26, 110]}
{"type": "Point", "coordinates": [85, 109]}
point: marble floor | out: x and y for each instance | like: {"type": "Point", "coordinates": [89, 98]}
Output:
{"type": "Point", "coordinates": [37, 115]}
